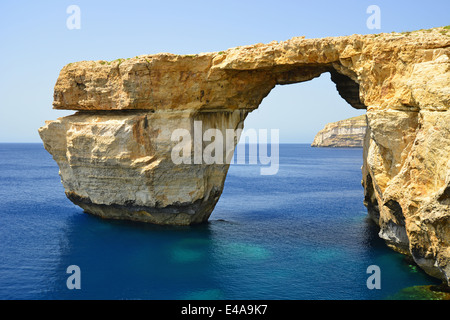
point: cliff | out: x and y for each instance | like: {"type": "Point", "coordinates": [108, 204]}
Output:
{"type": "Point", "coordinates": [116, 153]}
{"type": "Point", "coordinates": [348, 133]}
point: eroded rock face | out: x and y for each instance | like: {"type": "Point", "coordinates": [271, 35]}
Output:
{"type": "Point", "coordinates": [119, 165]}
{"type": "Point", "coordinates": [348, 133]}
{"type": "Point", "coordinates": [115, 153]}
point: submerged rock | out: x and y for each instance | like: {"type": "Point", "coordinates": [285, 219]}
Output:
{"type": "Point", "coordinates": [429, 292]}
{"type": "Point", "coordinates": [348, 133]}
{"type": "Point", "coordinates": [115, 153]}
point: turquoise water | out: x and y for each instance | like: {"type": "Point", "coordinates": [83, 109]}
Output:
{"type": "Point", "coordinates": [300, 234]}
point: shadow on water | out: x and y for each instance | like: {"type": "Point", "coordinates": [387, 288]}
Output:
{"type": "Point", "coordinates": [130, 260]}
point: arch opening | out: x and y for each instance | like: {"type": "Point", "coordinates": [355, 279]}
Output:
{"type": "Point", "coordinates": [305, 104]}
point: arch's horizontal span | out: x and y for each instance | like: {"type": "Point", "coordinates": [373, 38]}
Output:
{"type": "Point", "coordinates": [116, 154]}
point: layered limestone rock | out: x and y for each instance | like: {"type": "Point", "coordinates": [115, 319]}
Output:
{"type": "Point", "coordinates": [119, 165]}
{"type": "Point", "coordinates": [116, 153]}
{"type": "Point", "coordinates": [348, 133]}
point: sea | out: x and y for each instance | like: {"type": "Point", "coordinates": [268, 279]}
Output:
{"type": "Point", "coordinates": [300, 234]}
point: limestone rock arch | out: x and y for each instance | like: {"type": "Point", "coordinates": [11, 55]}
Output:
{"type": "Point", "coordinates": [114, 153]}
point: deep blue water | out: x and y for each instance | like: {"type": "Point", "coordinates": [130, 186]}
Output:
{"type": "Point", "coordinates": [300, 234]}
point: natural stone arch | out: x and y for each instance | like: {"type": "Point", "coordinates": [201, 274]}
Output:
{"type": "Point", "coordinates": [114, 154]}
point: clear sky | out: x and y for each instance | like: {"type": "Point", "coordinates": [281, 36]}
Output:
{"type": "Point", "coordinates": [36, 44]}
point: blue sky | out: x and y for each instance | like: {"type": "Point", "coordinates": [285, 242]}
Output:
{"type": "Point", "coordinates": [36, 44]}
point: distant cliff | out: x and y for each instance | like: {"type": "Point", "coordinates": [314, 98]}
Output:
{"type": "Point", "coordinates": [347, 133]}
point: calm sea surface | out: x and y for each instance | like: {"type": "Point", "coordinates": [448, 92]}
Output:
{"type": "Point", "coordinates": [300, 234]}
